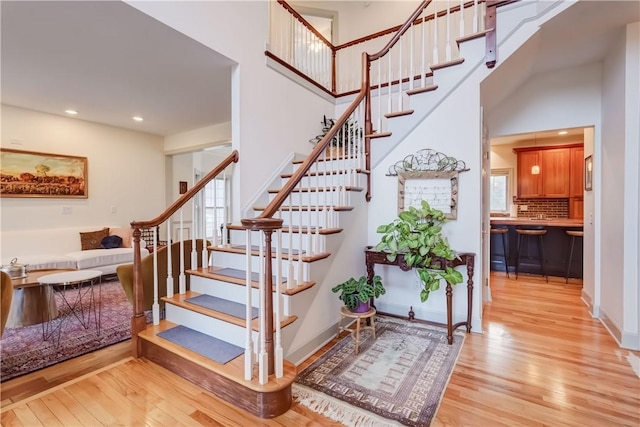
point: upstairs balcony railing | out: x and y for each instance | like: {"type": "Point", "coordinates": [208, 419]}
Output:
{"type": "Point", "coordinates": [430, 40]}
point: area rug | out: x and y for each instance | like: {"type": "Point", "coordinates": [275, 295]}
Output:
{"type": "Point", "coordinates": [397, 379]}
{"type": "Point", "coordinates": [23, 350]}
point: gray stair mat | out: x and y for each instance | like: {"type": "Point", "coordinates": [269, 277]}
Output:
{"type": "Point", "coordinates": [241, 274]}
{"type": "Point", "coordinates": [203, 344]}
{"type": "Point", "coordinates": [222, 305]}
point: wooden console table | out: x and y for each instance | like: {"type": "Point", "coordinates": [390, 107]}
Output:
{"type": "Point", "coordinates": [373, 257]}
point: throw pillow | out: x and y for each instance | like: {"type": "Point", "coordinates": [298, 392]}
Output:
{"type": "Point", "coordinates": [111, 242]}
{"type": "Point", "coordinates": [93, 239]}
{"type": "Point", "coordinates": [125, 233]}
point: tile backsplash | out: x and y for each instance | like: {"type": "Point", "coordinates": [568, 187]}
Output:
{"type": "Point", "coordinates": [548, 208]}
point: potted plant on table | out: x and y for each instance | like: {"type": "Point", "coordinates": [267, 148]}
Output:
{"type": "Point", "coordinates": [356, 294]}
{"type": "Point", "coordinates": [417, 235]}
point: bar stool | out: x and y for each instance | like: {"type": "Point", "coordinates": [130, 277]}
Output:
{"type": "Point", "coordinates": [573, 234]}
{"type": "Point", "coordinates": [523, 235]}
{"type": "Point", "coordinates": [502, 232]}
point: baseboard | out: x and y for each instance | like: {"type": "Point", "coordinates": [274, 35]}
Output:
{"type": "Point", "coordinates": [307, 350]}
{"type": "Point", "coordinates": [613, 329]}
{"type": "Point", "coordinates": [586, 299]}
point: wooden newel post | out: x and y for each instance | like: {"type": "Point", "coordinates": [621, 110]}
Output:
{"type": "Point", "coordinates": [268, 226]}
{"type": "Point", "coordinates": [138, 319]}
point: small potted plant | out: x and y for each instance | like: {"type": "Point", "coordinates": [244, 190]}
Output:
{"type": "Point", "coordinates": [356, 294]}
{"type": "Point", "coordinates": [417, 235]}
{"type": "Point", "coordinates": [346, 136]}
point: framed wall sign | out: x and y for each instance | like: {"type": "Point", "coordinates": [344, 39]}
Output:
{"type": "Point", "coordinates": [33, 174]}
{"type": "Point", "coordinates": [439, 189]}
{"type": "Point", "coordinates": [588, 173]}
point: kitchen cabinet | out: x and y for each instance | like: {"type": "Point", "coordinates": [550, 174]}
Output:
{"type": "Point", "coordinates": [553, 181]}
{"type": "Point", "coordinates": [576, 184]}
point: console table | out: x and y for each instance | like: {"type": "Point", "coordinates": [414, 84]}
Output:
{"type": "Point", "coordinates": [373, 257]}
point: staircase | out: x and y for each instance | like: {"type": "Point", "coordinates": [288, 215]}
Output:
{"type": "Point", "coordinates": [308, 227]}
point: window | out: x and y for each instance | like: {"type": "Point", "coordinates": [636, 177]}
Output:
{"type": "Point", "coordinates": [214, 206]}
{"type": "Point", "coordinates": [500, 188]}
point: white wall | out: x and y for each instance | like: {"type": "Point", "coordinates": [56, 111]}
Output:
{"type": "Point", "coordinates": [564, 98]}
{"type": "Point", "coordinates": [126, 171]}
{"type": "Point", "coordinates": [266, 125]}
{"type": "Point", "coordinates": [612, 182]}
{"type": "Point", "coordinates": [464, 234]}
{"type": "Point", "coordinates": [196, 139]}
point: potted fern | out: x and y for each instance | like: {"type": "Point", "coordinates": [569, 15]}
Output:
{"type": "Point", "coordinates": [356, 294]}
{"type": "Point", "coordinates": [416, 234]}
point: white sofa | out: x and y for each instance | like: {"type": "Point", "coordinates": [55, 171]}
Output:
{"type": "Point", "coordinates": [61, 248]}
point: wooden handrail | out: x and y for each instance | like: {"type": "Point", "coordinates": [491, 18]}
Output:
{"type": "Point", "coordinates": [320, 147]}
{"type": "Point", "coordinates": [400, 32]}
{"type": "Point", "coordinates": [306, 23]}
{"type": "Point", "coordinates": [416, 22]}
{"type": "Point", "coordinates": [138, 320]}
{"type": "Point", "coordinates": [232, 158]}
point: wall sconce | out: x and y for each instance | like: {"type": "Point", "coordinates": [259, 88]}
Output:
{"type": "Point", "coordinates": [535, 169]}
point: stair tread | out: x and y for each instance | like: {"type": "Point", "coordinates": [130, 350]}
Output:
{"type": "Point", "coordinates": [295, 229]}
{"type": "Point", "coordinates": [317, 189]}
{"type": "Point", "coordinates": [399, 114]}
{"type": "Point", "coordinates": [241, 249]}
{"type": "Point", "coordinates": [447, 64]}
{"type": "Point", "coordinates": [233, 370]}
{"type": "Point", "coordinates": [378, 135]}
{"type": "Point", "coordinates": [180, 300]}
{"type": "Point", "coordinates": [308, 208]}
{"type": "Point", "coordinates": [323, 173]}
{"type": "Point", "coordinates": [213, 272]}
{"type": "Point", "coordinates": [424, 89]}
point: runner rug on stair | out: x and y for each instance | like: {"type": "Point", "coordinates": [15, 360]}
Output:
{"type": "Point", "coordinates": [397, 379]}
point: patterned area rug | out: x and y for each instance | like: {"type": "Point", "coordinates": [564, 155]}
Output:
{"type": "Point", "coordinates": [397, 379]}
{"type": "Point", "coordinates": [23, 350]}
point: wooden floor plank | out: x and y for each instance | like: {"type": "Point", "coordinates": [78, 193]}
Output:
{"type": "Point", "coordinates": [542, 360]}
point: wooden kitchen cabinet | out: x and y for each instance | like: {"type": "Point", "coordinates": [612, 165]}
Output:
{"type": "Point", "coordinates": [576, 191]}
{"type": "Point", "coordinates": [529, 185]}
{"type": "Point", "coordinates": [577, 172]}
{"type": "Point", "coordinates": [553, 181]}
{"type": "Point", "coordinates": [556, 168]}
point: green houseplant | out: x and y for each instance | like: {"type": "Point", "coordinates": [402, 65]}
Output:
{"type": "Point", "coordinates": [357, 293]}
{"type": "Point", "coordinates": [350, 130]}
{"type": "Point", "coordinates": [417, 234]}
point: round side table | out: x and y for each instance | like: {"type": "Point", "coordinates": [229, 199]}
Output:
{"type": "Point", "coordinates": [345, 312]}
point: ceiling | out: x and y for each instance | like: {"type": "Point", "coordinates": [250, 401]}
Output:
{"type": "Point", "coordinates": [110, 62]}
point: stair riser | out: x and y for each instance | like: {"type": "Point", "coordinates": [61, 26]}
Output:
{"type": "Point", "coordinates": [334, 164]}
{"type": "Point", "coordinates": [318, 198]}
{"type": "Point", "coordinates": [289, 240]}
{"type": "Point", "coordinates": [354, 180]}
{"type": "Point", "coordinates": [238, 261]}
{"type": "Point", "coordinates": [324, 218]}
{"type": "Point", "coordinates": [232, 292]}
{"type": "Point", "coordinates": [208, 325]}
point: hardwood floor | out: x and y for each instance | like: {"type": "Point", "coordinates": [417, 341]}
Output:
{"type": "Point", "coordinates": [542, 360]}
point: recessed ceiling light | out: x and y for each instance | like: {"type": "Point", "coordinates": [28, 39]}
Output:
{"type": "Point", "coordinates": [563, 132]}
{"type": "Point", "coordinates": [72, 112]}
{"type": "Point", "coordinates": [137, 118]}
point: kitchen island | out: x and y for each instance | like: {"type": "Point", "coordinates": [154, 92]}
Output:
{"type": "Point", "coordinates": [556, 246]}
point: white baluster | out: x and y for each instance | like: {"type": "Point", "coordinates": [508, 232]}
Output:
{"type": "Point", "coordinates": [155, 308]}
{"type": "Point", "coordinates": [423, 69]}
{"type": "Point", "coordinates": [279, 357]}
{"type": "Point", "coordinates": [411, 70]}
{"type": "Point", "coordinates": [435, 38]}
{"type": "Point", "coordinates": [448, 45]}
{"type": "Point", "coordinates": [290, 271]}
{"type": "Point", "coordinates": [263, 358]}
{"type": "Point", "coordinates": [400, 75]}
{"type": "Point", "coordinates": [379, 61]}
{"type": "Point", "coordinates": [169, 262]}
{"type": "Point", "coordinates": [248, 346]}
{"type": "Point", "coordinates": [475, 16]}
{"type": "Point", "coordinates": [461, 32]}
{"type": "Point", "coordinates": [194, 251]}
{"type": "Point", "coordinates": [182, 279]}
